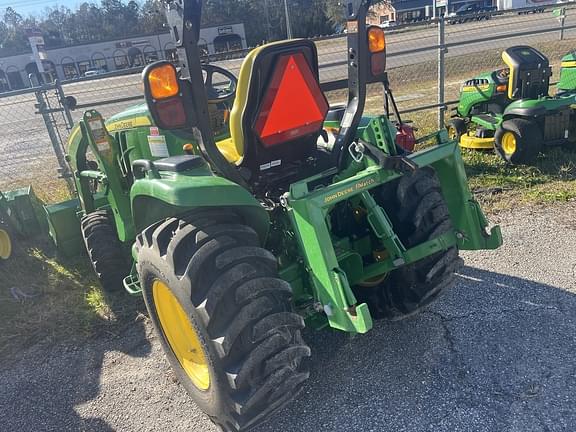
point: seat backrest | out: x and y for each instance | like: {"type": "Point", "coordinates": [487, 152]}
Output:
{"type": "Point", "coordinates": [279, 108]}
{"type": "Point", "coordinates": [530, 72]}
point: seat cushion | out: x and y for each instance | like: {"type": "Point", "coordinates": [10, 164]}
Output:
{"type": "Point", "coordinates": [229, 150]}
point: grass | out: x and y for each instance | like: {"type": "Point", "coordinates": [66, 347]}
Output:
{"type": "Point", "coordinates": [47, 299]}
{"type": "Point", "coordinates": [497, 185]}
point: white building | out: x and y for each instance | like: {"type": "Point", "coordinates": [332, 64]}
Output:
{"type": "Point", "coordinates": [73, 61]}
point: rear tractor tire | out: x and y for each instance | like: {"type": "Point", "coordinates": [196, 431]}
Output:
{"type": "Point", "coordinates": [419, 213]}
{"type": "Point", "coordinates": [223, 315]}
{"type": "Point", "coordinates": [518, 141]}
{"type": "Point", "coordinates": [105, 250]}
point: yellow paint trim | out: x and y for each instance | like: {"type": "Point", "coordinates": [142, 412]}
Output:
{"type": "Point", "coordinates": [473, 88]}
{"type": "Point", "coordinates": [5, 245]}
{"type": "Point", "coordinates": [352, 189]}
{"type": "Point", "coordinates": [472, 142]}
{"type": "Point", "coordinates": [128, 124]}
{"type": "Point", "coordinates": [181, 336]}
{"type": "Point", "coordinates": [115, 126]}
{"type": "Point", "coordinates": [73, 135]}
{"type": "Point", "coordinates": [568, 64]}
{"type": "Point", "coordinates": [512, 78]}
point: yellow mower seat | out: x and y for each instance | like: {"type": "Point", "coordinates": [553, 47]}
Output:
{"type": "Point", "coordinates": [229, 150]}
{"type": "Point", "coordinates": [233, 148]}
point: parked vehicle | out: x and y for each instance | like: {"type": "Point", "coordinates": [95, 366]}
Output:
{"type": "Point", "coordinates": [527, 6]}
{"type": "Point", "coordinates": [511, 110]}
{"type": "Point", "coordinates": [94, 72]}
{"type": "Point", "coordinates": [470, 12]}
{"type": "Point", "coordinates": [388, 24]}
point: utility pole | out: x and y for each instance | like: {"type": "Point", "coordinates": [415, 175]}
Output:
{"type": "Point", "coordinates": [288, 26]}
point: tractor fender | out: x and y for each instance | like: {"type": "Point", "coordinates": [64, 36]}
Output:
{"type": "Point", "coordinates": [536, 111]}
{"type": "Point", "coordinates": [154, 199]}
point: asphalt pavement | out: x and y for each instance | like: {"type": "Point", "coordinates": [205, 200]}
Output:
{"type": "Point", "coordinates": [496, 353]}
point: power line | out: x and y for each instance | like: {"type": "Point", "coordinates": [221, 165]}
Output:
{"type": "Point", "coordinates": [19, 4]}
{"type": "Point", "coordinates": [16, 4]}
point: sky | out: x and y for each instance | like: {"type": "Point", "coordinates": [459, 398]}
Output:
{"type": "Point", "coordinates": [36, 7]}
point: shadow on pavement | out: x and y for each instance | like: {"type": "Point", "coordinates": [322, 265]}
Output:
{"type": "Point", "coordinates": [42, 392]}
{"type": "Point", "coordinates": [496, 353]}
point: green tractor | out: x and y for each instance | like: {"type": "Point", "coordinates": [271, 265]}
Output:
{"type": "Point", "coordinates": [509, 109]}
{"type": "Point", "coordinates": [239, 243]}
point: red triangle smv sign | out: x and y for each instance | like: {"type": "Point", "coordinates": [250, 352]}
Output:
{"type": "Point", "coordinates": [294, 105]}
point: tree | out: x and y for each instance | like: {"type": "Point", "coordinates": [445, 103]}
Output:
{"type": "Point", "coordinates": [264, 20]}
{"type": "Point", "coordinates": [152, 20]}
{"type": "Point", "coordinates": [12, 18]}
{"type": "Point", "coordinates": [334, 10]}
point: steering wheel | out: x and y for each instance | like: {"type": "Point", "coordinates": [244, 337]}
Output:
{"type": "Point", "coordinates": [219, 92]}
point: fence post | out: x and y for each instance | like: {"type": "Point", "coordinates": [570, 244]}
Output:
{"type": "Point", "coordinates": [54, 140]}
{"type": "Point", "coordinates": [441, 52]}
{"type": "Point", "coordinates": [64, 104]}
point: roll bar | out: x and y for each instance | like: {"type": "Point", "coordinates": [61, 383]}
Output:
{"type": "Point", "coordinates": [184, 17]}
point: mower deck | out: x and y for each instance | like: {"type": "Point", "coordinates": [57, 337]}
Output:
{"type": "Point", "coordinates": [469, 141]}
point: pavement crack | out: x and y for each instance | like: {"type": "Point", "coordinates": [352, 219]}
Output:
{"type": "Point", "coordinates": [446, 330]}
{"type": "Point", "coordinates": [504, 311]}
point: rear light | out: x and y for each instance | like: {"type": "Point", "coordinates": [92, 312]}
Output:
{"type": "Point", "coordinates": [378, 64]}
{"type": "Point", "coordinates": [164, 95]}
{"type": "Point", "coordinates": [376, 39]}
{"type": "Point", "coordinates": [406, 138]}
{"type": "Point", "coordinates": [163, 82]}
{"type": "Point", "coordinates": [376, 53]}
{"type": "Point", "coordinates": [171, 113]}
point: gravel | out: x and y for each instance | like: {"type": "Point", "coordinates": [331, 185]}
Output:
{"type": "Point", "coordinates": [497, 353]}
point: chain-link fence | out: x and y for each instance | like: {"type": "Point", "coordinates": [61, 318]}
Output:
{"type": "Point", "coordinates": [27, 154]}
{"type": "Point", "coordinates": [427, 62]}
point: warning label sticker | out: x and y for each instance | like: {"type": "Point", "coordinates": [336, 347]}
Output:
{"type": "Point", "coordinates": [158, 146]}
{"type": "Point", "coordinates": [100, 135]}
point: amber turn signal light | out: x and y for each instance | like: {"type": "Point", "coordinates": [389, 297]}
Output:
{"type": "Point", "coordinates": [376, 39]}
{"type": "Point", "coordinates": [163, 82]}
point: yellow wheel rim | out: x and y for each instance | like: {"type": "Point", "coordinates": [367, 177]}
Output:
{"type": "Point", "coordinates": [5, 245]}
{"type": "Point", "coordinates": [181, 335]}
{"type": "Point", "coordinates": [452, 133]}
{"type": "Point", "coordinates": [509, 143]}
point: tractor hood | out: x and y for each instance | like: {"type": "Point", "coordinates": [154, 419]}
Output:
{"type": "Point", "coordinates": [567, 82]}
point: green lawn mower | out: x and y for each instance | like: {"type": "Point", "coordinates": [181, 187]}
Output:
{"type": "Point", "coordinates": [22, 216]}
{"type": "Point", "coordinates": [238, 243]}
{"type": "Point", "coordinates": [509, 109]}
